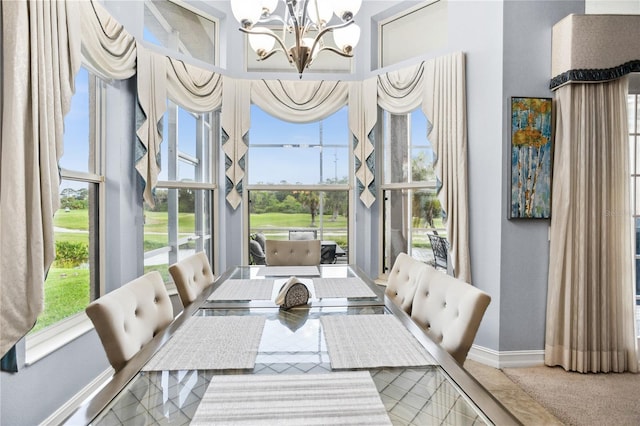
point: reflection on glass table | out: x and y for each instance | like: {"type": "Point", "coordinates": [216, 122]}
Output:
{"type": "Point", "coordinates": [293, 342]}
{"type": "Point", "coordinates": [259, 285]}
{"type": "Point", "coordinates": [412, 379]}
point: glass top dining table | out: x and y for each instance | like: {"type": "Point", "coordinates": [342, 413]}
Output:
{"type": "Point", "coordinates": [299, 343]}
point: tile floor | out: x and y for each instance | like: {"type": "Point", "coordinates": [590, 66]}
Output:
{"type": "Point", "coordinates": [521, 405]}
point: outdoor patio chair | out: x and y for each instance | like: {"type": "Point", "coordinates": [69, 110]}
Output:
{"type": "Point", "coordinates": [293, 253]}
{"type": "Point", "coordinates": [440, 247]}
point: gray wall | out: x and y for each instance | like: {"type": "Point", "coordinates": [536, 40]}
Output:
{"type": "Point", "coordinates": [524, 254]}
{"type": "Point", "coordinates": [475, 28]}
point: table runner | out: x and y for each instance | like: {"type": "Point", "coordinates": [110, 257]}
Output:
{"type": "Point", "coordinates": [344, 398]}
{"type": "Point", "coordinates": [286, 271]}
{"type": "Point", "coordinates": [243, 289]}
{"type": "Point", "coordinates": [211, 343]}
{"type": "Point", "coordinates": [366, 341]}
{"type": "Point", "coordinates": [341, 287]}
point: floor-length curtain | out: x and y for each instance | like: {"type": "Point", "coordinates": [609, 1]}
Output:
{"type": "Point", "coordinates": [40, 56]}
{"type": "Point", "coordinates": [590, 303]}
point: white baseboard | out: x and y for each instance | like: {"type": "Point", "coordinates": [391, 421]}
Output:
{"type": "Point", "coordinates": [62, 413]}
{"type": "Point", "coordinates": [506, 359]}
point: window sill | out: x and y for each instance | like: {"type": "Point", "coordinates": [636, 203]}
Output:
{"type": "Point", "coordinates": [47, 341]}
{"type": "Point", "coordinates": [52, 338]}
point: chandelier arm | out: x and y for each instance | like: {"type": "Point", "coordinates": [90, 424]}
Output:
{"type": "Point", "coordinates": [305, 6]}
{"type": "Point", "coordinates": [270, 54]}
{"type": "Point", "coordinates": [270, 34]}
{"type": "Point", "coordinates": [336, 51]}
{"type": "Point", "coordinates": [326, 30]}
{"type": "Point", "coordinates": [293, 16]}
{"type": "Point", "coordinates": [272, 18]}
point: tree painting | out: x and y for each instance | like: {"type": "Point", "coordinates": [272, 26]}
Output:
{"type": "Point", "coordinates": [530, 157]}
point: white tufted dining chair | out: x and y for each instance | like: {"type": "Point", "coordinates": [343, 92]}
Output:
{"type": "Point", "coordinates": [403, 279]}
{"type": "Point", "coordinates": [449, 310]}
{"type": "Point", "coordinates": [128, 318]}
{"type": "Point", "coordinates": [191, 275]}
{"type": "Point", "coordinates": [292, 252]}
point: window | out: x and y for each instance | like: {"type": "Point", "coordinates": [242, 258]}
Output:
{"type": "Point", "coordinates": [73, 279]}
{"type": "Point", "coordinates": [398, 34]}
{"type": "Point", "coordinates": [180, 222]}
{"type": "Point", "coordinates": [411, 208]}
{"type": "Point", "coordinates": [298, 177]}
{"type": "Point", "coordinates": [181, 29]}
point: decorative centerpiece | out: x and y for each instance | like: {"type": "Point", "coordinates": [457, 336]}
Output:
{"type": "Point", "coordinates": [293, 293]}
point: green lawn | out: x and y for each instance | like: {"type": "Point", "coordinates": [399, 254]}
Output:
{"type": "Point", "coordinates": [73, 219]}
{"type": "Point", "coordinates": [66, 292]}
{"type": "Point", "coordinates": [293, 220]}
{"type": "Point", "coordinates": [157, 222]}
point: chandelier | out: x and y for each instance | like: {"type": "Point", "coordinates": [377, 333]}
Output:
{"type": "Point", "coordinates": [304, 25]}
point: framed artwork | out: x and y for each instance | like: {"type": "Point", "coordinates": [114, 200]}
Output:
{"type": "Point", "coordinates": [530, 158]}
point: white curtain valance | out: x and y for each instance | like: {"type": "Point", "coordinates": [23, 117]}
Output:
{"type": "Point", "coordinates": [363, 114]}
{"type": "Point", "coordinates": [106, 46]}
{"type": "Point", "coordinates": [159, 77]}
{"type": "Point", "coordinates": [594, 48]}
{"type": "Point", "coordinates": [193, 88]}
{"type": "Point", "coordinates": [39, 62]}
{"type": "Point", "coordinates": [400, 92]}
{"type": "Point", "coordinates": [299, 101]}
{"type": "Point", "coordinates": [235, 118]}
{"type": "Point", "coordinates": [152, 104]}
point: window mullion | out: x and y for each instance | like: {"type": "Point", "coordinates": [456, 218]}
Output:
{"type": "Point", "coordinates": [172, 196]}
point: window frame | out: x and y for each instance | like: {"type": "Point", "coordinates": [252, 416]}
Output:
{"type": "Point", "coordinates": [209, 144]}
{"type": "Point", "coordinates": [43, 342]}
{"type": "Point", "coordinates": [323, 187]}
{"type": "Point", "coordinates": [385, 187]}
{"type": "Point", "coordinates": [180, 50]}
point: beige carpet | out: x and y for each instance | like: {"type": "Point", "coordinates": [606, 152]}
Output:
{"type": "Point", "coordinates": [582, 399]}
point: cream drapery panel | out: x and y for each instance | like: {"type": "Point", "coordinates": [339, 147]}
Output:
{"type": "Point", "coordinates": [445, 105]}
{"type": "Point", "coordinates": [363, 115]}
{"type": "Point", "coordinates": [106, 46]}
{"type": "Point", "coordinates": [39, 62]}
{"type": "Point", "coordinates": [438, 85]}
{"type": "Point", "coordinates": [235, 117]}
{"type": "Point", "coordinates": [590, 300]}
{"type": "Point", "coordinates": [152, 104]}
{"type": "Point", "coordinates": [159, 77]}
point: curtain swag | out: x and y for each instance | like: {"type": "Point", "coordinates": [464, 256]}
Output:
{"type": "Point", "coordinates": [299, 101]}
{"type": "Point", "coordinates": [106, 46]}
